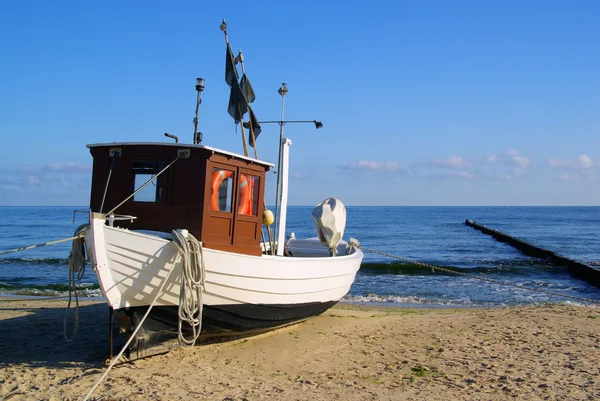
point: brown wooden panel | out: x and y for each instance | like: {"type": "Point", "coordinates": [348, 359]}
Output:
{"type": "Point", "coordinates": [219, 229]}
{"type": "Point", "coordinates": [244, 249]}
{"type": "Point", "coordinates": [186, 198]}
{"type": "Point", "coordinates": [245, 233]}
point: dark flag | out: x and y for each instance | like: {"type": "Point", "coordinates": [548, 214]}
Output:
{"type": "Point", "coordinates": [230, 71]}
{"type": "Point", "coordinates": [237, 103]}
{"type": "Point", "coordinates": [254, 126]}
{"type": "Point", "coordinates": [247, 89]}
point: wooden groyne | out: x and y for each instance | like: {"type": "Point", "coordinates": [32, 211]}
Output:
{"type": "Point", "coordinates": [577, 269]}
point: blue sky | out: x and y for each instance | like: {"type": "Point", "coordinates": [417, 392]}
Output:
{"type": "Point", "coordinates": [423, 103]}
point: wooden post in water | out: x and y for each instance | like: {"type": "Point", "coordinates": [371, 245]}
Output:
{"type": "Point", "coordinates": [577, 269]}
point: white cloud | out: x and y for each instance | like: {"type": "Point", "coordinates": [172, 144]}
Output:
{"type": "Point", "coordinates": [494, 166]}
{"type": "Point", "coordinates": [504, 177]}
{"type": "Point", "coordinates": [69, 168]}
{"type": "Point", "coordinates": [521, 161]}
{"type": "Point", "coordinates": [464, 174]}
{"type": "Point", "coordinates": [27, 170]}
{"type": "Point", "coordinates": [452, 161]}
{"type": "Point", "coordinates": [32, 180]}
{"type": "Point", "coordinates": [583, 162]}
{"type": "Point", "coordinates": [370, 165]}
{"type": "Point", "coordinates": [558, 163]}
{"type": "Point", "coordinates": [567, 177]}
{"type": "Point", "coordinates": [50, 178]}
{"type": "Point", "coordinates": [449, 175]}
{"type": "Point", "coordinates": [511, 159]}
{"type": "Point", "coordinates": [492, 159]}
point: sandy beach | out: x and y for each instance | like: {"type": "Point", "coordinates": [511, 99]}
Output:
{"type": "Point", "coordinates": [348, 353]}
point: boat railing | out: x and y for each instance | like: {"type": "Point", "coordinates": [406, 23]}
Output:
{"type": "Point", "coordinates": [111, 218]}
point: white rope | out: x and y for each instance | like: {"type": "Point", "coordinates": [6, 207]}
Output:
{"type": "Point", "coordinates": [143, 186]}
{"type": "Point", "coordinates": [58, 241]}
{"type": "Point", "coordinates": [79, 235]}
{"type": "Point", "coordinates": [76, 265]}
{"type": "Point", "coordinates": [191, 287]}
{"type": "Point", "coordinates": [489, 280]}
{"type": "Point", "coordinates": [139, 326]}
{"type": "Point", "coordinates": [194, 253]}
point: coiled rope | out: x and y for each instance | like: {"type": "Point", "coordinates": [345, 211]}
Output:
{"type": "Point", "coordinates": [355, 243]}
{"type": "Point", "coordinates": [76, 265]}
{"type": "Point", "coordinates": [190, 250]}
{"type": "Point", "coordinates": [191, 287]}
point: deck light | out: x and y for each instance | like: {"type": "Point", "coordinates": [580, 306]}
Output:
{"type": "Point", "coordinates": [199, 84]}
{"type": "Point", "coordinates": [283, 90]}
{"type": "Point", "coordinates": [199, 88]}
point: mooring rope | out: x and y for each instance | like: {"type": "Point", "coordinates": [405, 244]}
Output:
{"type": "Point", "coordinates": [132, 336]}
{"type": "Point", "coordinates": [78, 235]}
{"type": "Point", "coordinates": [110, 169]}
{"type": "Point", "coordinates": [31, 298]}
{"type": "Point", "coordinates": [58, 241]}
{"type": "Point", "coordinates": [76, 265]}
{"type": "Point", "coordinates": [489, 280]}
{"type": "Point", "coordinates": [143, 186]}
{"type": "Point", "coordinates": [191, 287]}
{"type": "Point", "coordinates": [189, 249]}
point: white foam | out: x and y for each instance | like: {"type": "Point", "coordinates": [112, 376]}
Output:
{"type": "Point", "coordinates": [407, 300]}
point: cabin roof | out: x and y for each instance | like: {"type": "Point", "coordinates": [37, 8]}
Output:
{"type": "Point", "coordinates": [183, 145]}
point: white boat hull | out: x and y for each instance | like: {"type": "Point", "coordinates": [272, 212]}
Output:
{"type": "Point", "coordinates": [241, 292]}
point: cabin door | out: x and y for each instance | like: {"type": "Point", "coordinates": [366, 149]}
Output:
{"type": "Point", "coordinates": [234, 202]}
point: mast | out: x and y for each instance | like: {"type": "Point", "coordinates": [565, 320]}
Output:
{"type": "Point", "coordinates": [284, 149]}
{"type": "Point", "coordinates": [233, 83]}
{"type": "Point", "coordinates": [283, 90]}
{"type": "Point", "coordinates": [240, 57]}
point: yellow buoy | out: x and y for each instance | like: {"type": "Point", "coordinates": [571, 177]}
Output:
{"type": "Point", "coordinates": [267, 217]}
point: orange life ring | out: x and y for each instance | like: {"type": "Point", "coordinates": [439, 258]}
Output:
{"type": "Point", "coordinates": [217, 179]}
{"type": "Point", "coordinates": [245, 200]}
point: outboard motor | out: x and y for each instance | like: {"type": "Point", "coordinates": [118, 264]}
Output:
{"type": "Point", "coordinates": [329, 217]}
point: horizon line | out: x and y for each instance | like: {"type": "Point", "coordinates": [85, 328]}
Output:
{"type": "Point", "coordinates": [87, 207]}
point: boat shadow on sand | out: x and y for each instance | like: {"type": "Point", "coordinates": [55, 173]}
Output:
{"type": "Point", "coordinates": [31, 334]}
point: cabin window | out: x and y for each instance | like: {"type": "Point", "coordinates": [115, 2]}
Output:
{"type": "Point", "coordinates": [142, 172]}
{"type": "Point", "coordinates": [248, 195]}
{"type": "Point", "coordinates": [222, 190]}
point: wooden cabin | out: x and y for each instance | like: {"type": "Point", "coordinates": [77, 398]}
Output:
{"type": "Point", "coordinates": [216, 195]}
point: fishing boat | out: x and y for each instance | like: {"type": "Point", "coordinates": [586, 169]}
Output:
{"type": "Point", "coordinates": [184, 247]}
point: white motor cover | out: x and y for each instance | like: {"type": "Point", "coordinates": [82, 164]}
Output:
{"type": "Point", "coordinates": [329, 217]}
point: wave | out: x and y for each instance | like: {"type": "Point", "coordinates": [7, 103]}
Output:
{"type": "Point", "coordinates": [417, 269]}
{"type": "Point", "coordinates": [34, 261]}
{"type": "Point", "coordinates": [406, 300]}
{"type": "Point", "coordinates": [413, 302]}
{"type": "Point", "coordinates": [57, 290]}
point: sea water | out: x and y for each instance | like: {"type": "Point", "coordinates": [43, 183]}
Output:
{"type": "Point", "coordinates": [433, 235]}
